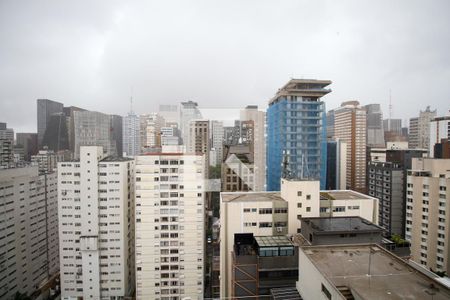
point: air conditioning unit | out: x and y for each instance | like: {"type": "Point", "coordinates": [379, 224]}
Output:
{"type": "Point", "coordinates": [279, 229]}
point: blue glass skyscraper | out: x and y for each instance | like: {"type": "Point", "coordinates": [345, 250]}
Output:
{"type": "Point", "coordinates": [296, 128]}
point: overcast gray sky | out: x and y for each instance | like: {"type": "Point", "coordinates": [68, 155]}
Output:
{"type": "Point", "coordinates": [91, 54]}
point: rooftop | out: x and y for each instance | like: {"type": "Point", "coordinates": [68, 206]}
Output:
{"type": "Point", "coordinates": [387, 276]}
{"type": "Point", "coordinates": [303, 87]}
{"type": "Point", "coordinates": [342, 195]}
{"type": "Point", "coordinates": [273, 241]}
{"type": "Point", "coordinates": [341, 224]}
{"type": "Point", "coordinates": [116, 158]}
{"type": "Point", "coordinates": [250, 196]}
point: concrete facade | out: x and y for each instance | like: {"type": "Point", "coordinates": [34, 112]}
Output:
{"type": "Point", "coordinates": [170, 199]}
{"type": "Point", "coordinates": [96, 226]}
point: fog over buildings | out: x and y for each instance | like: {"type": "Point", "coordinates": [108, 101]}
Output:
{"type": "Point", "coordinates": [96, 55]}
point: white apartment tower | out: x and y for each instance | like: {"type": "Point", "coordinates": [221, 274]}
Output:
{"type": "Point", "coordinates": [251, 113]}
{"type": "Point", "coordinates": [29, 255]}
{"type": "Point", "coordinates": [428, 211]}
{"type": "Point", "coordinates": [169, 226]}
{"type": "Point", "coordinates": [131, 134]}
{"type": "Point", "coordinates": [96, 228]}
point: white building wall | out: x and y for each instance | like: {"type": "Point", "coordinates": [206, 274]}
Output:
{"type": "Point", "coordinates": [169, 226]}
{"type": "Point", "coordinates": [96, 228]}
{"type": "Point", "coordinates": [29, 245]}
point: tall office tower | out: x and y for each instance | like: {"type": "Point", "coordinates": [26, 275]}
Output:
{"type": "Point", "coordinates": [296, 127]}
{"type": "Point", "coordinates": [350, 127]}
{"type": "Point", "coordinates": [131, 134]}
{"type": "Point", "coordinates": [45, 109]}
{"type": "Point", "coordinates": [336, 165]}
{"type": "Point", "coordinates": [170, 113]}
{"type": "Point", "coordinates": [151, 126]}
{"type": "Point", "coordinates": [169, 226]}
{"type": "Point", "coordinates": [419, 129]}
{"type": "Point", "coordinates": [93, 129]}
{"type": "Point", "coordinates": [29, 255]}
{"type": "Point", "coordinates": [188, 112]}
{"type": "Point", "coordinates": [70, 124]}
{"type": "Point", "coordinates": [439, 129]}
{"type": "Point", "coordinates": [199, 141]}
{"type": "Point", "coordinates": [238, 168]}
{"type": "Point", "coordinates": [251, 113]}
{"type": "Point", "coordinates": [117, 133]}
{"type": "Point", "coordinates": [217, 140]}
{"type": "Point", "coordinates": [96, 226]}
{"type": "Point", "coordinates": [393, 126]}
{"type": "Point", "coordinates": [47, 160]}
{"type": "Point", "coordinates": [427, 211]}
{"type": "Point", "coordinates": [374, 125]}
{"type": "Point", "coordinates": [330, 124]}
{"type": "Point", "coordinates": [29, 143]}
{"type": "Point", "coordinates": [56, 136]}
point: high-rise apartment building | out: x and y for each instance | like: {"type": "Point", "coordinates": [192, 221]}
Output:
{"type": "Point", "coordinates": [419, 129]}
{"type": "Point", "coordinates": [217, 140]}
{"type": "Point", "coordinates": [188, 111]}
{"type": "Point", "coordinates": [6, 146]}
{"type": "Point", "coordinates": [96, 226]}
{"type": "Point", "coordinates": [296, 126]}
{"type": "Point", "coordinates": [199, 140]}
{"type": "Point", "coordinates": [94, 129]}
{"type": "Point", "coordinates": [386, 182]}
{"type": "Point", "coordinates": [374, 126]}
{"type": "Point", "coordinates": [439, 129]}
{"type": "Point", "coordinates": [170, 193]}
{"type": "Point", "coordinates": [131, 134]}
{"type": "Point", "coordinates": [350, 127]}
{"type": "Point", "coordinates": [251, 113]}
{"type": "Point", "coordinates": [151, 125]}
{"type": "Point", "coordinates": [29, 255]}
{"type": "Point", "coordinates": [427, 212]}
{"type": "Point", "coordinates": [45, 109]}
{"type": "Point", "coordinates": [47, 160]}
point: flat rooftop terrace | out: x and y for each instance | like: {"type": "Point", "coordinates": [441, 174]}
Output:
{"type": "Point", "coordinates": [386, 277]}
{"type": "Point", "coordinates": [341, 224]}
{"type": "Point", "coordinates": [250, 196]}
{"type": "Point", "coordinates": [342, 195]}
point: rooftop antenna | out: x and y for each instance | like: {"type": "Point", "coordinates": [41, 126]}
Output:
{"type": "Point", "coordinates": [390, 104]}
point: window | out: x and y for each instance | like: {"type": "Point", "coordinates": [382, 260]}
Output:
{"type": "Point", "coordinates": [326, 292]}
{"type": "Point", "coordinates": [308, 197]}
{"type": "Point", "coordinates": [299, 205]}
{"type": "Point", "coordinates": [265, 211]}
{"type": "Point", "coordinates": [299, 193]}
{"type": "Point", "coordinates": [308, 209]}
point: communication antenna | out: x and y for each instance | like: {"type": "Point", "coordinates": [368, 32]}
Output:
{"type": "Point", "coordinates": [390, 104]}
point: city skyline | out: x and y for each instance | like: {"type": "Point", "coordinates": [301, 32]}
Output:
{"type": "Point", "coordinates": [396, 57]}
